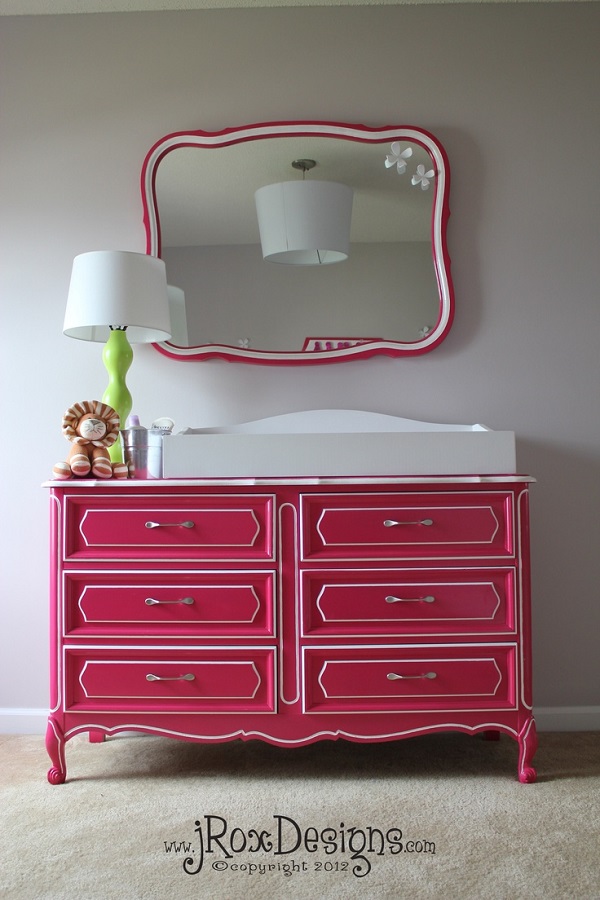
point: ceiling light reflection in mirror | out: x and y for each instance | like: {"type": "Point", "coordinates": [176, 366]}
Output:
{"type": "Point", "coordinates": [392, 295]}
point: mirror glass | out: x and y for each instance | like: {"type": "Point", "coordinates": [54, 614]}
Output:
{"type": "Point", "coordinates": [392, 295]}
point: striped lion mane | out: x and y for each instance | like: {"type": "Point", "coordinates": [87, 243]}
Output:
{"type": "Point", "coordinates": [75, 413]}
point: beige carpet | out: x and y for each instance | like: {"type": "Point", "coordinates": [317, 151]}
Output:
{"type": "Point", "coordinates": [119, 825]}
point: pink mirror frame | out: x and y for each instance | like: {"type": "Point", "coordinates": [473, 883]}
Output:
{"type": "Point", "coordinates": [360, 133]}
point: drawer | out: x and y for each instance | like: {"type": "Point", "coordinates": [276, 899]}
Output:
{"type": "Point", "coordinates": [181, 604]}
{"type": "Point", "coordinates": [388, 679]}
{"type": "Point", "coordinates": [161, 527]}
{"type": "Point", "coordinates": [460, 525]}
{"type": "Point", "coordinates": [154, 681]}
{"type": "Point", "coordinates": [444, 601]}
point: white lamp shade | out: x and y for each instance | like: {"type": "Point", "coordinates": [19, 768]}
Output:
{"type": "Point", "coordinates": [179, 329]}
{"type": "Point", "coordinates": [118, 288]}
{"type": "Point", "coordinates": [304, 223]}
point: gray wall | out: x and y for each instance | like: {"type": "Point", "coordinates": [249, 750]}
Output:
{"type": "Point", "coordinates": [510, 90]}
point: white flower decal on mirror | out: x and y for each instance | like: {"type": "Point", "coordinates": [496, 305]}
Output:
{"type": "Point", "coordinates": [422, 177]}
{"type": "Point", "coordinates": [398, 158]}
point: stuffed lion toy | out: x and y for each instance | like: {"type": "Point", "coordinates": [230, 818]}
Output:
{"type": "Point", "coordinates": [92, 427]}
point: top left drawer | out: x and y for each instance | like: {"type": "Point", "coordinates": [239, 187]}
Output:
{"type": "Point", "coordinates": [211, 527]}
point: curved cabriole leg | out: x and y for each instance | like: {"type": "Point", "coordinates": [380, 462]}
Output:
{"type": "Point", "coordinates": [55, 745]}
{"type": "Point", "coordinates": [527, 746]}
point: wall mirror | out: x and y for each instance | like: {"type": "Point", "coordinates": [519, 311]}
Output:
{"type": "Point", "coordinates": [393, 294]}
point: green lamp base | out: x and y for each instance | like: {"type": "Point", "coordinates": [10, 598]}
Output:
{"type": "Point", "coordinates": [117, 356]}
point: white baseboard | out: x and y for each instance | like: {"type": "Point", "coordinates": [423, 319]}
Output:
{"type": "Point", "coordinates": [548, 718]}
{"type": "Point", "coordinates": [567, 718]}
{"type": "Point", "coordinates": [23, 721]}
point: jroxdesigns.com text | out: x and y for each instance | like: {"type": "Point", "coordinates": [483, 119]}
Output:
{"type": "Point", "coordinates": [353, 846]}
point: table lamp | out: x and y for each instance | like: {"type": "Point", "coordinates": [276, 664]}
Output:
{"type": "Point", "coordinates": [117, 297]}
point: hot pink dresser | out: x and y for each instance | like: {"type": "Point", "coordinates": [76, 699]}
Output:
{"type": "Point", "coordinates": [291, 610]}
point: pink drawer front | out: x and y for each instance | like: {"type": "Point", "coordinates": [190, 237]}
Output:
{"type": "Point", "coordinates": [411, 525]}
{"type": "Point", "coordinates": [181, 604]}
{"type": "Point", "coordinates": [391, 679]}
{"type": "Point", "coordinates": [167, 680]}
{"type": "Point", "coordinates": [450, 601]}
{"type": "Point", "coordinates": [209, 527]}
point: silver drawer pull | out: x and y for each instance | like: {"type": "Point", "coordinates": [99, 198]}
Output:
{"type": "Point", "coordinates": [393, 677]}
{"type": "Point", "coordinates": [391, 523]}
{"type": "Point", "coordinates": [169, 524]}
{"type": "Point", "coordinates": [391, 599]}
{"type": "Point", "coordinates": [188, 677]}
{"type": "Point", "coordinates": [150, 601]}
